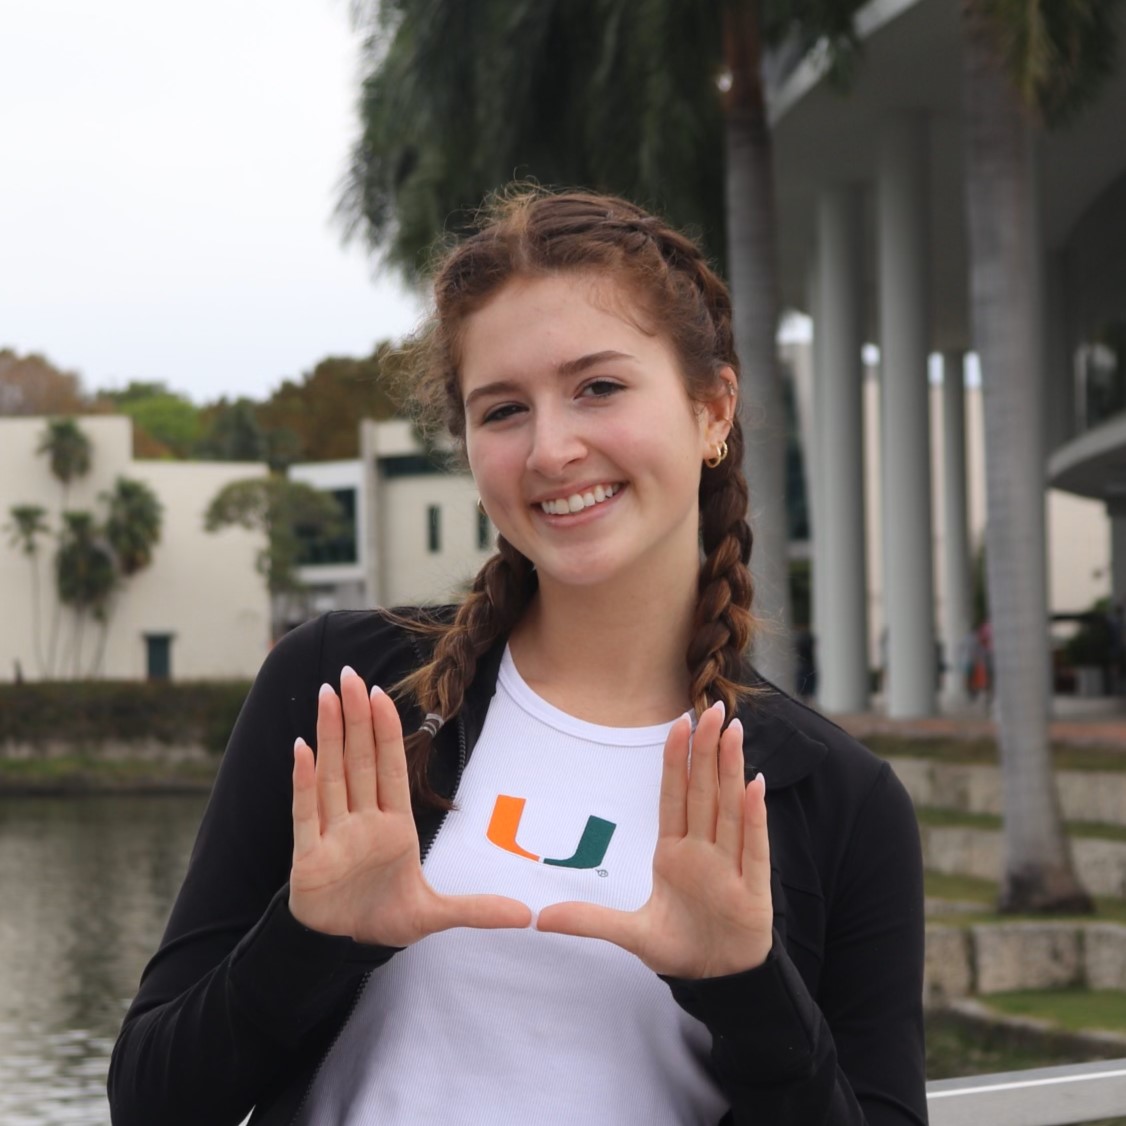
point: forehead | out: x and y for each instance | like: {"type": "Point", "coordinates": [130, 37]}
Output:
{"type": "Point", "coordinates": [547, 321]}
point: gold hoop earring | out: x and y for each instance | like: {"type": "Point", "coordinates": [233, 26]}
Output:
{"type": "Point", "coordinates": [718, 456]}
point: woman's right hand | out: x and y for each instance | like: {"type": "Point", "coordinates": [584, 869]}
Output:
{"type": "Point", "coordinates": [356, 867]}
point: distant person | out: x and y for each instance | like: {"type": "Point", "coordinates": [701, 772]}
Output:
{"type": "Point", "coordinates": [349, 947]}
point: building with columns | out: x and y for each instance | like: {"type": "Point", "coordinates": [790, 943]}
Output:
{"type": "Point", "coordinates": [873, 246]}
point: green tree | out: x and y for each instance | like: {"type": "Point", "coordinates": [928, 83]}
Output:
{"type": "Point", "coordinates": [1027, 64]}
{"type": "Point", "coordinates": [232, 432]}
{"type": "Point", "coordinates": [27, 525]}
{"type": "Point", "coordinates": [85, 574]}
{"type": "Point", "coordinates": [289, 513]}
{"type": "Point", "coordinates": [133, 524]}
{"type": "Point", "coordinates": [69, 454]}
{"type": "Point", "coordinates": [658, 100]}
{"type": "Point", "coordinates": [165, 424]}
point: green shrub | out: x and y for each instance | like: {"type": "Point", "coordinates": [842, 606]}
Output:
{"type": "Point", "coordinates": [89, 712]}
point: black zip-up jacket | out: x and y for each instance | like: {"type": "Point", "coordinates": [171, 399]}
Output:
{"type": "Point", "coordinates": [241, 1003]}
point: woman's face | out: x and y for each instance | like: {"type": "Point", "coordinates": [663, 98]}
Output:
{"type": "Point", "coordinates": [582, 440]}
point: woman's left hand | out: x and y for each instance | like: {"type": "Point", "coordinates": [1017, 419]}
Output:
{"type": "Point", "coordinates": [710, 910]}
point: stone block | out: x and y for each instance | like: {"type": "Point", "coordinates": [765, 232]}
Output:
{"type": "Point", "coordinates": [1011, 956]}
{"type": "Point", "coordinates": [1089, 795]}
{"type": "Point", "coordinates": [947, 971]}
{"type": "Point", "coordinates": [960, 850]}
{"type": "Point", "coordinates": [1105, 955]}
{"type": "Point", "coordinates": [1101, 865]}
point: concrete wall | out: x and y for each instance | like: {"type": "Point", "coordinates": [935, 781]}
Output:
{"type": "Point", "coordinates": [201, 588]}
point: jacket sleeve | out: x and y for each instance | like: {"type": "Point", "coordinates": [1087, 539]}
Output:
{"type": "Point", "coordinates": [853, 1055]}
{"type": "Point", "coordinates": [237, 984]}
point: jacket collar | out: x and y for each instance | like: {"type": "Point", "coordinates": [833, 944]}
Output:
{"type": "Point", "coordinates": [773, 740]}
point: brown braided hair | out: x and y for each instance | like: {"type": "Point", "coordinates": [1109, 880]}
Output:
{"type": "Point", "coordinates": [526, 231]}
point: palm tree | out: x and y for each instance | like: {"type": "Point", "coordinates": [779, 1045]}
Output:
{"type": "Point", "coordinates": [69, 454]}
{"type": "Point", "coordinates": [132, 530]}
{"type": "Point", "coordinates": [27, 525]}
{"type": "Point", "coordinates": [625, 96]}
{"type": "Point", "coordinates": [85, 574]}
{"type": "Point", "coordinates": [1025, 64]}
{"type": "Point", "coordinates": [133, 524]}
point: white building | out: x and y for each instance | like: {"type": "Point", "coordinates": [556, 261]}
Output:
{"type": "Point", "coordinates": [415, 536]}
{"type": "Point", "coordinates": [872, 229]}
{"type": "Point", "coordinates": [199, 611]}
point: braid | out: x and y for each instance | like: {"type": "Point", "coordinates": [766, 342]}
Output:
{"type": "Point", "coordinates": [724, 623]}
{"type": "Point", "coordinates": [498, 597]}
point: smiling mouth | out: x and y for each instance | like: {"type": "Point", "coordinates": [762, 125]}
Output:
{"type": "Point", "coordinates": [576, 502]}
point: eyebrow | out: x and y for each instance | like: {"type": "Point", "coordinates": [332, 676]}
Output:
{"type": "Point", "coordinates": [568, 368]}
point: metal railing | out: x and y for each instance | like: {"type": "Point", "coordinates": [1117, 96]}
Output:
{"type": "Point", "coordinates": [1045, 1096]}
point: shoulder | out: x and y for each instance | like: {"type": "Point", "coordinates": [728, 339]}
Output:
{"type": "Point", "coordinates": [381, 645]}
{"type": "Point", "coordinates": [792, 743]}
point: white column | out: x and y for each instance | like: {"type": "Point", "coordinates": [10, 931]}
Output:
{"type": "Point", "coordinates": [815, 449]}
{"type": "Point", "coordinates": [843, 642]}
{"type": "Point", "coordinates": [957, 562]}
{"type": "Point", "coordinates": [904, 263]}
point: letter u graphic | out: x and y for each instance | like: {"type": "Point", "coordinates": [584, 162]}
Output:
{"type": "Point", "coordinates": [589, 853]}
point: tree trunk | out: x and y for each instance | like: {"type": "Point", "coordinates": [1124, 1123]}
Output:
{"type": "Point", "coordinates": [1004, 246]}
{"type": "Point", "coordinates": [753, 270]}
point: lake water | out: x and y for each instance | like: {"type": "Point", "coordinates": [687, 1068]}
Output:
{"type": "Point", "coordinates": [86, 886]}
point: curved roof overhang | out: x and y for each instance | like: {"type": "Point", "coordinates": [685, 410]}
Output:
{"type": "Point", "coordinates": [911, 61]}
{"type": "Point", "coordinates": [1094, 464]}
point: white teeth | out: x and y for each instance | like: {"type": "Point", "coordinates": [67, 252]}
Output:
{"type": "Point", "coordinates": [576, 502]}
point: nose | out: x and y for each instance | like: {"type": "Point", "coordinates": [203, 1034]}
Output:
{"type": "Point", "coordinates": [556, 443]}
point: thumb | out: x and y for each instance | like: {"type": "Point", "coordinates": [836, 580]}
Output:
{"type": "Point", "coordinates": [588, 920]}
{"type": "Point", "coordinates": [483, 912]}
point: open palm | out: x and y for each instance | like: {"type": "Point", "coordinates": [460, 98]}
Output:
{"type": "Point", "coordinates": [710, 910]}
{"type": "Point", "coordinates": [356, 868]}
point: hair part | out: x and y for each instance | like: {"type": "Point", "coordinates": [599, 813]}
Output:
{"type": "Point", "coordinates": [528, 232]}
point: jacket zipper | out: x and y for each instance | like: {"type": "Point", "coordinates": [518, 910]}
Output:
{"type": "Point", "coordinates": [462, 755]}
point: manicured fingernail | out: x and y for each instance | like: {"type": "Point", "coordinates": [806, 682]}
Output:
{"type": "Point", "coordinates": [736, 725]}
{"type": "Point", "coordinates": [326, 690]}
{"type": "Point", "coordinates": [347, 670]}
{"type": "Point", "coordinates": [721, 707]}
{"type": "Point", "coordinates": [298, 742]}
{"type": "Point", "coordinates": [376, 691]}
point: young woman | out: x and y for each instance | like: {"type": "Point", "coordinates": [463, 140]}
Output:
{"type": "Point", "coordinates": [610, 875]}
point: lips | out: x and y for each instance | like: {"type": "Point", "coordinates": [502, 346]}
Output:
{"type": "Point", "coordinates": [577, 501]}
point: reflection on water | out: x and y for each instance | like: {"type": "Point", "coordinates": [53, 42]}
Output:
{"type": "Point", "coordinates": [87, 884]}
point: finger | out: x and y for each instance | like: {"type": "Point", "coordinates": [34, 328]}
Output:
{"type": "Point", "coordinates": [589, 920]}
{"type": "Point", "coordinates": [359, 741]}
{"type": "Point", "coordinates": [703, 776]}
{"type": "Point", "coordinates": [729, 819]}
{"type": "Point", "coordinates": [756, 840]}
{"type": "Point", "coordinates": [482, 912]}
{"type": "Point", "coordinates": [332, 792]}
{"type": "Point", "coordinates": [306, 827]}
{"type": "Point", "coordinates": [393, 785]}
{"type": "Point", "coordinates": [674, 781]}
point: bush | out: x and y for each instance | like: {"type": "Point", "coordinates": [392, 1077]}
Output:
{"type": "Point", "coordinates": [86, 712]}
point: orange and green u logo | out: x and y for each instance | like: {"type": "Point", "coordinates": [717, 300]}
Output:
{"type": "Point", "coordinates": [589, 853]}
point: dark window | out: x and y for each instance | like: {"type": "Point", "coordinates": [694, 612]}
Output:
{"type": "Point", "coordinates": [484, 538]}
{"type": "Point", "coordinates": [158, 656]}
{"type": "Point", "coordinates": [340, 547]}
{"type": "Point", "coordinates": [434, 528]}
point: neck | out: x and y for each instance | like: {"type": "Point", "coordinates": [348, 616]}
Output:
{"type": "Point", "coordinates": [614, 657]}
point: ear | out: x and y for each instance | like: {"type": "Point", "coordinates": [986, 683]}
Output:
{"type": "Point", "coordinates": [720, 410]}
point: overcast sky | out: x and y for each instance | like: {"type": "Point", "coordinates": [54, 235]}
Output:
{"type": "Point", "coordinates": [169, 173]}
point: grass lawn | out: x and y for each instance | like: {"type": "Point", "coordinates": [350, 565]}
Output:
{"type": "Point", "coordinates": [89, 774]}
{"type": "Point", "coordinates": [936, 815]}
{"type": "Point", "coordinates": [983, 751]}
{"type": "Point", "coordinates": [1077, 1010]}
{"type": "Point", "coordinates": [969, 889]}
